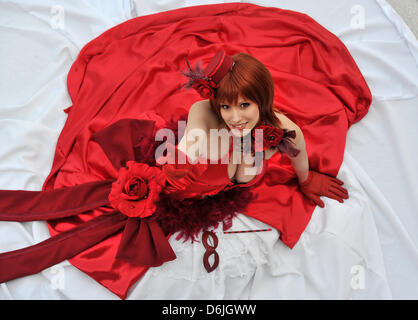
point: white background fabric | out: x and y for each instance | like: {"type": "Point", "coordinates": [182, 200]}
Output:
{"type": "Point", "coordinates": [365, 248]}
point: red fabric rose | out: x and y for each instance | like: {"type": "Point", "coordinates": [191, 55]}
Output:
{"type": "Point", "coordinates": [272, 136]}
{"type": "Point", "coordinates": [137, 189]}
{"type": "Point", "coordinates": [206, 88]}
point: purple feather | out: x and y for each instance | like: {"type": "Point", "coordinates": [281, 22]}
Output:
{"type": "Point", "coordinates": [193, 74]}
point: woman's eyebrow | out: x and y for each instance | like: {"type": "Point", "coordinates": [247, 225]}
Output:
{"type": "Point", "coordinates": [243, 101]}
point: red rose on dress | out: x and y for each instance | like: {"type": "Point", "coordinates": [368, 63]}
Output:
{"type": "Point", "coordinates": [137, 189]}
{"type": "Point", "coordinates": [206, 88]}
{"type": "Point", "coordinates": [272, 136]}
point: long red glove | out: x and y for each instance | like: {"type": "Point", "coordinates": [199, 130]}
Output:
{"type": "Point", "coordinates": [319, 184]}
{"type": "Point", "coordinates": [175, 170]}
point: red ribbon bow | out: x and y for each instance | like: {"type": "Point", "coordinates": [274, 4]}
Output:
{"type": "Point", "coordinates": [143, 241]}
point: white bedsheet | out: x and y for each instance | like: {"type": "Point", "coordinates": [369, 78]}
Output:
{"type": "Point", "coordinates": [365, 248]}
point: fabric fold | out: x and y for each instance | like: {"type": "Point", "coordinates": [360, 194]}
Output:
{"type": "Point", "coordinates": [143, 243]}
{"type": "Point", "coordinates": [126, 145]}
{"type": "Point", "coordinates": [34, 259]}
{"type": "Point", "coordinates": [22, 205]}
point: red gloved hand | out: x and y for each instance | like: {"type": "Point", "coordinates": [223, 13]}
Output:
{"type": "Point", "coordinates": [319, 184]}
{"type": "Point", "coordinates": [173, 169]}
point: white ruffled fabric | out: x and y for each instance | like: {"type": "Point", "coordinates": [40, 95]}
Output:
{"type": "Point", "coordinates": [337, 257]}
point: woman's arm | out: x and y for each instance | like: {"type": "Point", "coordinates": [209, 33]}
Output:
{"type": "Point", "coordinates": [313, 184]}
{"type": "Point", "coordinates": [196, 130]}
{"type": "Point", "coordinates": [178, 166]}
{"type": "Point", "coordinates": [300, 163]}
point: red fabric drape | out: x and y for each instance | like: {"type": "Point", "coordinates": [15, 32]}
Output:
{"type": "Point", "coordinates": [133, 68]}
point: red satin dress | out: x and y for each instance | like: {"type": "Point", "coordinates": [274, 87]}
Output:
{"type": "Point", "coordinates": [126, 83]}
{"type": "Point", "coordinates": [207, 178]}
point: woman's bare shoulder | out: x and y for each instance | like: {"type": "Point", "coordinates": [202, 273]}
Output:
{"type": "Point", "coordinates": [285, 122]}
{"type": "Point", "coordinates": [199, 122]}
{"type": "Point", "coordinates": [200, 107]}
{"type": "Point", "coordinates": [201, 115]}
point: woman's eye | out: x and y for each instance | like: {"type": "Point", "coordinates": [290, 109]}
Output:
{"type": "Point", "coordinates": [245, 105]}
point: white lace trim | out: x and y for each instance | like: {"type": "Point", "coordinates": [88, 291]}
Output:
{"type": "Point", "coordinates": [239, 256]}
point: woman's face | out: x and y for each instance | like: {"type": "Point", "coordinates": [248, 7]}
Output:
{"type": "Point", "coordinates": [244, 115]}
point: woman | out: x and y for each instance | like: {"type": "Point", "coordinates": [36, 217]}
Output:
{"type": "Point", "coordinates": [128, 71]}
{"type": "Point", "coordinates": [241, 94]}
{"type": "Point", "coordinates": [150, 200]}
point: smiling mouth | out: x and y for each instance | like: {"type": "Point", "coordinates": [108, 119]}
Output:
{"type": "Point", "coordinates": [240, 127]}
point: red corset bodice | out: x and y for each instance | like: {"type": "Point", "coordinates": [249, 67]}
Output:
{"type": "Point", "coordinates": [205, 177]}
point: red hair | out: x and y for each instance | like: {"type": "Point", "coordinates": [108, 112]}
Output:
{"type": "Point", "coordinates": [253, 81]}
